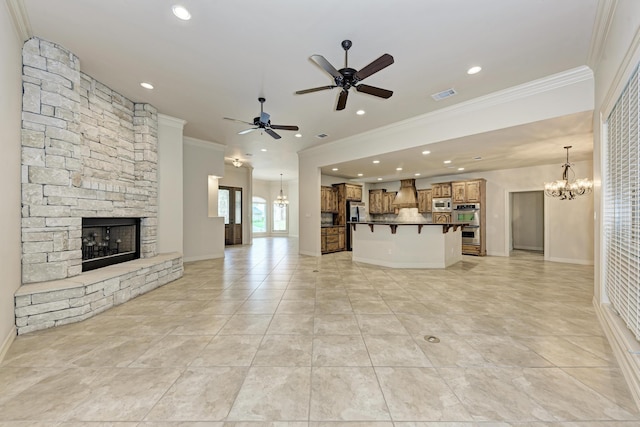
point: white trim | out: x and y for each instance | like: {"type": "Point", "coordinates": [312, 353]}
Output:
{"type": "Point", "coordinates": [530, 248]}
{"type": "Point", "coordinates": [555, 81]}
{"type": "Point", "coordinates": [163, 119]}
{"type": "Point", "coordinates": [570, 260]}
{"type": "Point", "coordinates": [20, 19]}
{"type": "Point", "coordinates": [4, 348]}
{"type": "Point", "coordinates": [604, 19]}
{"type": "Point", "coordinates": [204, 144]}
{"type": "Point", "coordinates": [307, 253]}
{"type": "Point", "coordinates": [624, 346]}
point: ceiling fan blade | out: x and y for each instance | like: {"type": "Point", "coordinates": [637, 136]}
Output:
{"type": "Point", "coordinates": [239, 121]}
{"type": "Point", "coordinates": [272, 133]}
{"type": "Point", "coordinates": [325, 65]}
{"type": "Point", "coordinates": [315, 89]}
{"type": "Point", "coordinates": [242, 132]}
{"type": "Point", "coordinates": [284, 127]}
{"type": "Point", "coordinates": [264, 118]}
{"type": "Point", "coordinates": [342, 100]}
{"type": "Point", "coordinates": [383, 62]}
{"type": "Point", "coordinates": [375, 91]}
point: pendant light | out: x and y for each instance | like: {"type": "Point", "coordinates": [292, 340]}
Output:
{"type": "Point", "coordinates": [568, 187]}
{"type": "Point", "coordinates": [281, 201]}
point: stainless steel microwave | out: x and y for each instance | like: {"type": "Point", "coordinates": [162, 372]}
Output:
{"type": "Point", "coordinates": [441, 205]}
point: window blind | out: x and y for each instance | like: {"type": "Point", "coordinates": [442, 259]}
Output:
{"type": "Point", "coordinates": [622, 205]}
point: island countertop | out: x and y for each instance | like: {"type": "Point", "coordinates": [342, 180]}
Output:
{"type": "Point", "coordinates": [393, 225]}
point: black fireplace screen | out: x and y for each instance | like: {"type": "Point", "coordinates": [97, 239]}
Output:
{"type": "Point", "coordinates": [107, 241]}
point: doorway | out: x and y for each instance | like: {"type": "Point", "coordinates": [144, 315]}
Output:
{"type": "Point", "coordinates": [230, 207]}
{"type": "Point", "coordinates": [527, 221]}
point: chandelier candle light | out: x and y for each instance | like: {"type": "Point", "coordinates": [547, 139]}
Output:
{"type": "Point", "coordinates": [281, 200]}
{"type": "Point", "coordinates": [236, 162]}
{"type": "Point", "coordinates": [568, 188]}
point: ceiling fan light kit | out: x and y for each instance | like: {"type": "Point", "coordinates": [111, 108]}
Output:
{"type": "Point", "coordinates": [346, 78]}
{"type": "Point", "coordinates": [263, 122]}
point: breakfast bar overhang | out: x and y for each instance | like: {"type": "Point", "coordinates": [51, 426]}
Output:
{"type": "Point", "coordinates": [406, 245]}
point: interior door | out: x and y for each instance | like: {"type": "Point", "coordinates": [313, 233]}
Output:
{"type": "Point", "coordinates": [230, 207]}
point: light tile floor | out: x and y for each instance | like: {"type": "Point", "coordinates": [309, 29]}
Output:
{"type": "Point", "coordinates": [267, 337]}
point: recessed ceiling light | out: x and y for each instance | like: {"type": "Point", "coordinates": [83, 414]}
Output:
{"type": "Point", "coordinates": [379, 179]}
{"type": "Point", "coordinates": [298, 135]}
{"type": "Point", "coordinates": [416, 174]}
{"type": "Point", "coordinates": [446, 162]}
{"type": "Point", "coordinates": [460, 169]}
{"type": "Point", "coordinates": [359, 174]}
{"type": "Point", "coordinates": [474, 70]}
{"type": "Point", "coordinates": [334, 169]}
{"type": "Point", "coordinates": [263, 149]}
{"type": "Point", "coordinates": [181, 12]}
{"type": "Point", "coordinates": [425, 152]}
{"type": "Point", "coordinates": [146, 85]}
{"type": "Point", "coordinates": [398, 169]}
{"type": "Point", "coordinates": [375, 162]}
{"type": "Point", "coordinates": [360, 112]}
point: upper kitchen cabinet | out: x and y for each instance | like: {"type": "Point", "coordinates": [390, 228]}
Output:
{"type": "Point", "coordinates": [424, 201]}
{"type": "Point", "coordinates": [468, 191]}
{"type": "Point", "coordinates": [328, 199]}
{"type": "Point", "coordinates": [442, 189]}
{"type": "Point", "coordinates": [353, 192]}
{"type": "Point", "coordinates": [387, 202]}
{"type": "Point", "coordinates": [375, 201]}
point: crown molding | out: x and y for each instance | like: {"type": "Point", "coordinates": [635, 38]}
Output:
{"type": "Point", "coordinates": [171, 121]}
{"type": "Point", "coordinates": [204, 144]}
{"type": "Point", "coordinates": [604, 19]}
{"type": "Point", "coordinates": [20, 19]}
{"type": "Point", "coordinates": [514, 93]}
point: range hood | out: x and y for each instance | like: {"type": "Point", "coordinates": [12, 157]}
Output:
{"type": "Point", "coordinates": [407, 196]}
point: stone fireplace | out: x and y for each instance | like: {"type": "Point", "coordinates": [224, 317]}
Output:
{"type": "Point", "coordinates": [89, 166]}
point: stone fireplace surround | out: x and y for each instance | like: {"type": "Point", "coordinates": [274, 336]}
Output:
{"type": "Point", "coordinates": [87, 152]}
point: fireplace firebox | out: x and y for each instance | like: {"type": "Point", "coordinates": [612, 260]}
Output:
{"type": "Point", "coordinates": [107, 241]}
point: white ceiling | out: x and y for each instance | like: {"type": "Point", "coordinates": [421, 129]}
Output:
{"type": "Point", "coordinates": [230, 53]}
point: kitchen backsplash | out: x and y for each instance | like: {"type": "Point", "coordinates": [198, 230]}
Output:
{"type": "Point", "coordinates": [326, 219]}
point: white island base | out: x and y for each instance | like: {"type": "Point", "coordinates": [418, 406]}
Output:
{"type": "Point", "coordinates": [403, 245]}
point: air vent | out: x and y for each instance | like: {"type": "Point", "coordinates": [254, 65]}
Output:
{"type": "Point", "coordinates": [444, 94]}
{"type": "Point", "coordinates": [321, 135]}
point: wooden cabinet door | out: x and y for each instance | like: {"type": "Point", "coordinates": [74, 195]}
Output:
{"type": "Point", "coordinates": [429, 201]}
{"type": "Point", "coordinates": [387, 202]}
{"type": "Point", "coordinates": [422, 201]}
{"type": "Point", "coordinates": [459, 191]}
{"type": "Point", "coordinates": [342, 242]}
{"type": "Point", "coordinates": [323, 199]}
{"type": "Point", "coordinates": [436, 190]}
{"type": "Point", "coordinates": [323, 240]}
{"type": "Point", "coordinates": [446, 190]}
{"type": "Point", "coordinates": [473, 191]}
{"type": "Point", "coordinates": [354, 192]}
{"type": "Point", "coordinates": [442, 217]}
{"type": "Point", "coordinates": [375, 201]}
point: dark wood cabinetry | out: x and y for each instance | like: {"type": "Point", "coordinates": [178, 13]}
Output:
{"type": "Point", "coordinates": [328, 200]}
{"type": "Point", "coordinates": [334, 199]}
{"type": "Point", "coordinates": [332, 239]}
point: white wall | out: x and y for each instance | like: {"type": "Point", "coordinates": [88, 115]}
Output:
{"type": "Point", "coordinates": [555, 96]}
{"type": "Point", "coordinates": [203, 234]}
{"type": "Point", "coordinates": [170, 184]}
{"type": "Point", "coordinates": [10, 222]}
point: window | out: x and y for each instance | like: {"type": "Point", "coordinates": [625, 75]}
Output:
{"type": "Point", "coordinates": [621, 203]}
{"type": "Point", "coordinates": [279, 218]}
{"type": "Point", "coordinates": [259, 215]}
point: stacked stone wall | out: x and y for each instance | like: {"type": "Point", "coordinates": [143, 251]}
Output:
{"type": "Point", "coordinates": [87, 151]}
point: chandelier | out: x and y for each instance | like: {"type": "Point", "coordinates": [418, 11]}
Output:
{"type": "Point", "coordinates": [236, 162]}
{"type": "Point", "coordinates": [568, 187]}
{"type": "Point", "coordinates": [281, 201]}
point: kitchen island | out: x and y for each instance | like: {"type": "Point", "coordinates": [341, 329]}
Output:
{"type": "Point", "coordinates": [406, 245]}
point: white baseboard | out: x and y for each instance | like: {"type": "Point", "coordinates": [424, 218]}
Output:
{"type": "Point", "coordinates": [309, 253]}
{"type": "Point", "coordinates": [6, 343]}
{"type": "Point", "coordinates": [529, 248]}
{"type": "Point", "coordinates": [624, 345]}
{"type": "Point", "coordinates": [570, 260]}
{"type": "Point", "coordinates": [203, 257]}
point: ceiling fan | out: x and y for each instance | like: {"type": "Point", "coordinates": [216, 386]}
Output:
{"type": "Point", "coordinates": [346, 77]}
{"type": "Point", "coordinates": [263, 122]}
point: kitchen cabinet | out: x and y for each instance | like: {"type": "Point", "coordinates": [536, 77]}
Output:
{"type": "Point", "coordinates": [375, 201]}
{"type": "Point", "coordinates": [468, 191]}
{"type": "Point", "coordinates": [345, 192]}
{"type": "Point", "coordinates": [353, 192]}
{"type": "Point", "coordinates": [332, 239]}
{"type": "Point", "coordinates": [424, 201]}
{"type": "Point", "coordinates": [387, 202]}
{"type": "Point", "coordinates": [328, 200]}
{"type": "Point", "coordinates": [342, 236]}
{"type": "Point", "coordinates": [442, 189]}
{"type": "Point", "coordinates": [441, 217]}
